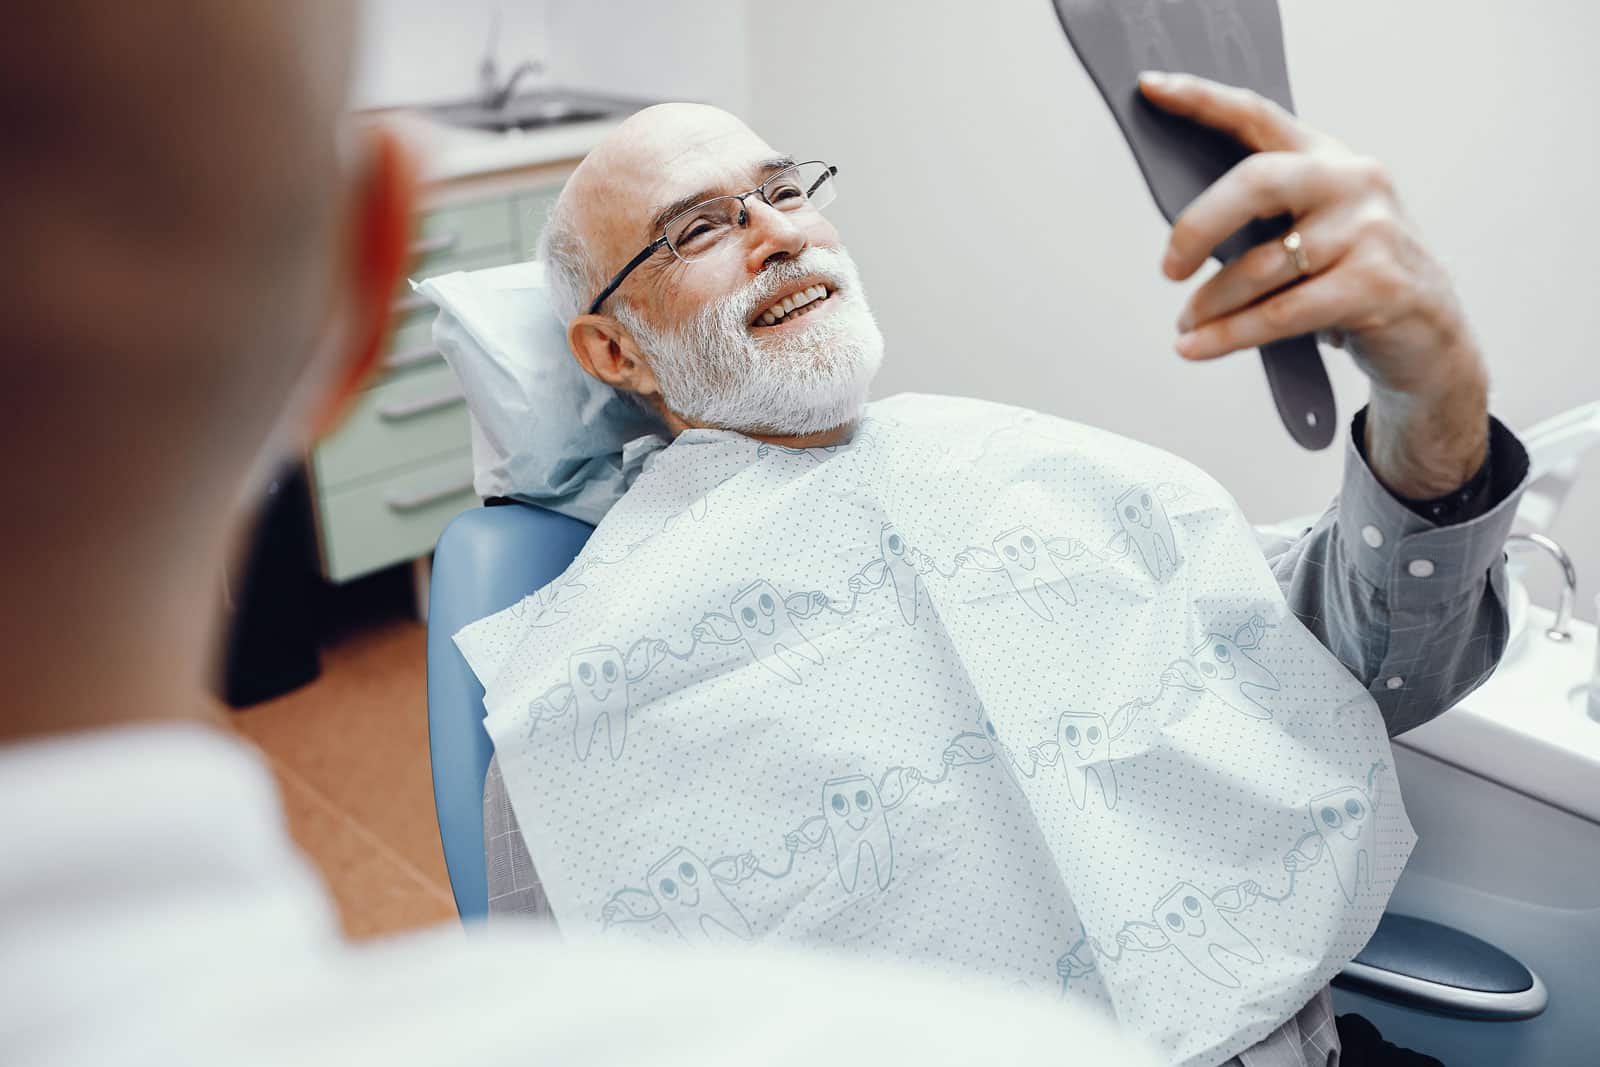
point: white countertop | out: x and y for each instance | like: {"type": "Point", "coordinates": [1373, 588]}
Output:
{"type": "Point", "coordinates": [449, 153]}
{"type": "Point", "coordinates": [1528, 726]}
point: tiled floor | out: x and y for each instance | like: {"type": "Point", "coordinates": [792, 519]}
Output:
{"type": "Point", "coordinates": [351, 754]}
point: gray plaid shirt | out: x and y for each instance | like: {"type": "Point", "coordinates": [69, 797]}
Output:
{"type": "Point", "coordinates": [1414, 609]}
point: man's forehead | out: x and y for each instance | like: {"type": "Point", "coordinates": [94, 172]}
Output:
{"type": "Point", "coordinates": [725, 161]}
{"type": "Point", "coordinates": [661, 156]}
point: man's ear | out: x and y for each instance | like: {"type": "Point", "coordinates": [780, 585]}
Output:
{"type": "Point", "coordinates": [376, 254]}
{"type": "Point", "coordinates": [604, 348]}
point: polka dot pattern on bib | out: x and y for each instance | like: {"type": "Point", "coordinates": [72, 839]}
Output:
{"type": "Point", "coordinates": [982, 690]}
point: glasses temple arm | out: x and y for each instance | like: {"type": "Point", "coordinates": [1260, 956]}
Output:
{"type": "Point", "coordinates": [824, 176]}
{"type": "Point", "coordinates": [644, 254]}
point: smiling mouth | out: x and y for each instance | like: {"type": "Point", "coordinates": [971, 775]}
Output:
{"type": "Point", "coordinates": [852, 824]}
{"type": "Point", "coordinates": [793, 306]}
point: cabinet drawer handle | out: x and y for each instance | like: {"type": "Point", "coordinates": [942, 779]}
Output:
{"type": "Point", "coordinates": [410, 409]}
{"type": "Point", "coordinates": [421, 498]}
{"type": "Point", "coordinates": [432, 246]}
{"type": "Point", "coordinates": [410, 356]}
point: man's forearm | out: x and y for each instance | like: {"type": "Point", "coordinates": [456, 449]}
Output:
{"type": "Point", "coordinates": [1428, 441]}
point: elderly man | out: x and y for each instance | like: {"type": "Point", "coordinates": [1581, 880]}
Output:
{"type": "Point", "coordinates": [698, 272]}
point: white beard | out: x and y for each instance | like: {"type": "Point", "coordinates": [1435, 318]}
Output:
{"type": "Point", "coordinates": [713, 371]}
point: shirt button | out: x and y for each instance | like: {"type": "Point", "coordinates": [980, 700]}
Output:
{"type": "Point", "coordinates": [1395, 681]}
{"type": "Point", "coordinates": [1372, 536]}
{"type": "Point", "coordinates": [1421, 568]}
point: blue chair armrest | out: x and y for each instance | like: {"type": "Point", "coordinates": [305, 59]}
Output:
{"type": "Point", "coordinates": [486, 560]}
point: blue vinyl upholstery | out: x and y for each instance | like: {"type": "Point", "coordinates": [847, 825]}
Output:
{"type": "Point", "coordinates": [486, 559]}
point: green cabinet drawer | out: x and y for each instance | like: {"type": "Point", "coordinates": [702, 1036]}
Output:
{"type": "Point", "coordinates": [413, 418]}
{"type": "Point", "coordinates": [393, 519]}
{"type": "Point", "coordinates": [410, 346]}
{"type": "Point", "coordinates": [466, 228]}
{"type": "Point", "coordinates": [532, 208]}
{"type": "Point", "coordinates": [408, 302]}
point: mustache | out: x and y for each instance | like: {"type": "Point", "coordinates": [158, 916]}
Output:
{"type": "Point", "coordinates": [822, 263]}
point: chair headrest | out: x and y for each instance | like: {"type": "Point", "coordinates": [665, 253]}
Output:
{"type": "Point", "coordinates": [543, 430]}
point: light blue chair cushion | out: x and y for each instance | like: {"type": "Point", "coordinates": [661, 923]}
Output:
{"type": "Point", "coordinates": [486, 560]}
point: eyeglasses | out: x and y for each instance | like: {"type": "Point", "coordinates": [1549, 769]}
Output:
{"type": "Point", "coordinates": [707, 228]}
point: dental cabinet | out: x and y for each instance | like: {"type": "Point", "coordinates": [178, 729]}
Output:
{"type": "Point", "coordinates": [399, 467]}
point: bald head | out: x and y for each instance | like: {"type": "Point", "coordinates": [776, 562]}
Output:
{"type": "Point", "coordinates": [183, 224]}
{"type": "Point", "coordinates": [621, 187]}
{"type": "Point", "coordinates": [168, 167]}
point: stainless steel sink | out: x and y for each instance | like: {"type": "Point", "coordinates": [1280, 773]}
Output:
{"type": "Point", "coordinates": [533, 111]}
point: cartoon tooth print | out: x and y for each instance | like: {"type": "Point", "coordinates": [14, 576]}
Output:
{"type": "Point", "coordinates": [1077, 962]}
{"type": "Point", "coordinates": [1225, 671]}
{"type": "Point", "coordinates": [769, 630]}
{"type": "Point", "coordinates": [598, 693]}
{"type": "Point", "coordinates": [599, 682]}
{"type": "Point", "coordinates": [902, 571]}
{"type": "Point", "coordinates": [1085, 749]}
{"type": "Point", "coordinates": [1196, 927]}
{"type": "Point", "coordinates": [1034, 575]}
{"type": "Point", "coordinates": [696, 510]}
{"type": "Point", "coordinates": [1144, 519]}
{"type": "Point", "coordinates": [983, 745]}
{"type": "Point", "coordinates": [855, 815]}
{"type": "Point", "coordinates": [1345, 821]}
{"type": "Point", "coordinates": [969, 747]}
{"type": "Point", "coordinates": [817, 454]}
{"type": "Point", "coordinates": [692, 900]}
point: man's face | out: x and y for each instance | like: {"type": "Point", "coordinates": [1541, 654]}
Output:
{"type": "Point", "coordinates": [709, 329]}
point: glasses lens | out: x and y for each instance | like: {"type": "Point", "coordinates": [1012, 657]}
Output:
{"type": "Point", "coordinates": [803, 185]}
{"type": "Point", "coordinates": [699, 231]}
{"type": "Point", "coordinates": [704, 228]}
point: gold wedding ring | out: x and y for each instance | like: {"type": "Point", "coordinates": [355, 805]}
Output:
{"type": "Point", "coordinates": [1291, 245]}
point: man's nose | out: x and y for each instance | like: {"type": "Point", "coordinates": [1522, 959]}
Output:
{"type": "Point", "coordinates": [773, 235]}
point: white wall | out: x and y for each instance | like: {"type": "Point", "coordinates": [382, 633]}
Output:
{"type": "Point", "coordinates": [1008, 243]}
{"type": "Point", "coordinates": [649, 49]}
{"type": "Point", "coordinates": [1010, 249]}
{"type": "Point", "coordinates": [427, 51]}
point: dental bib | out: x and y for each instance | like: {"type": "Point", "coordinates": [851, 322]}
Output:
{"type": "Point", "coordinates": [982, 689]}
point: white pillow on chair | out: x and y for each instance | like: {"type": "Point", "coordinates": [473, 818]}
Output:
{"type": "Point", "coordinates": [543, 431]}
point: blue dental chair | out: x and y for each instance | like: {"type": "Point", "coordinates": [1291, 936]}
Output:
{"type": "Point", "coordinates": [487, 559]}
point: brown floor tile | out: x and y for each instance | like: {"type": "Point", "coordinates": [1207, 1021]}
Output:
{"type": "Point", "coordinates": [358, 736]}
{"type": "Point", "coordinates": [377, 892]}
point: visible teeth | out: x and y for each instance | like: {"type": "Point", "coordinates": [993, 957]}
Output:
{"type": "Point", "coordinates": [791, 304]}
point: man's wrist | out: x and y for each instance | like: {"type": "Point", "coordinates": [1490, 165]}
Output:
{"type": "Point", "coordinates": [1427, 442]}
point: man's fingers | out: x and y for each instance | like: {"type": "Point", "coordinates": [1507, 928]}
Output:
{"type": "Point", "coordinates": [1258, 187]}
{"type": "Point", "coordinates": [1248, 117]}
{"type": "Point", "coordinates": [1325, 237]}
{"type": "Point", "coordinates": [1315, 304]}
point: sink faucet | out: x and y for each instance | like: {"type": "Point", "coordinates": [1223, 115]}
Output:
{"type": "Point", "coordinates": [1559, 629]}
{"type": "Point", "coordinates": [494, 95]}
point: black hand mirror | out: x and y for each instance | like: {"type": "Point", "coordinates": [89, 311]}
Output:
{"type": "Point", "coordinates": [1239, 42]}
